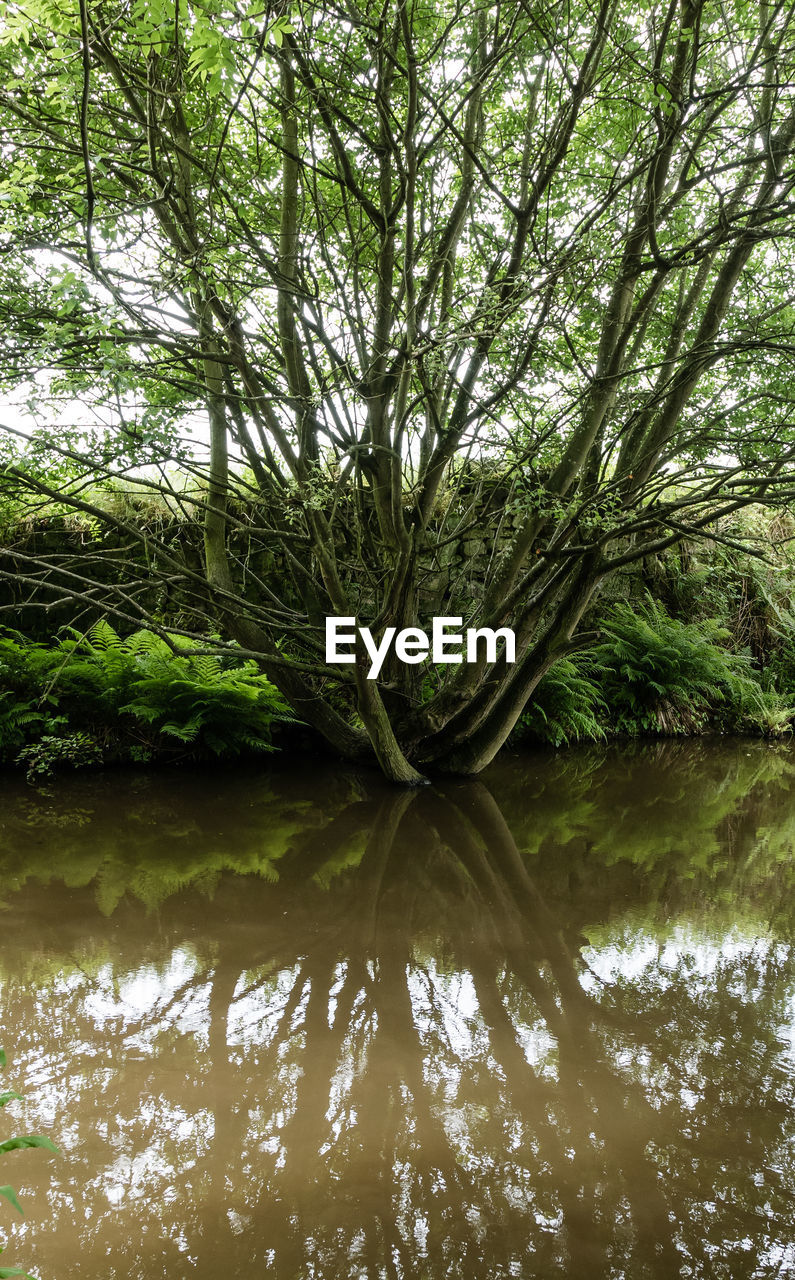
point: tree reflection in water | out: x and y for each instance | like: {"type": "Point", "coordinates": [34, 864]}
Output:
{"type": "Point", "coordinates": [344, 1031]}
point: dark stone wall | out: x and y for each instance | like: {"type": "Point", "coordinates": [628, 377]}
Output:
{"type": "Point", "coordinates": [147, 574]}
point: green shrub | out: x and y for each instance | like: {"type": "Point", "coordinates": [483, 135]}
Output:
{"type": "Point", "coordinates": [100, 697]}
{"type": "Point", "coordinates": [652, 674]}
{"type": "Point", "coordinates": [660, 675]}
{"type": "Point", "coordinates": [780, 666]}
{"type": "Point", "coordinates": [566, 706]}
{"type": "Point", "coordinates": [768, 713]}
{"type": "Point", "coordinates": [19, 720]}
{"type": "Point", "coordinates": [75, 750]}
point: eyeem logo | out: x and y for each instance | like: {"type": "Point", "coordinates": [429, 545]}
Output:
{"type": "Point", "coordinates": [412, 645]}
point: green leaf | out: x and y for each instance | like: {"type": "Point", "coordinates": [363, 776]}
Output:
{"type": "Point", "coordinates": [11, 1196]}
{"type": "Point", "coordinates": [25, 1141]}
{"type": "Point", "coordinates": [9, 1096]}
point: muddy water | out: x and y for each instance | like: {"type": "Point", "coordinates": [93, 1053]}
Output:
{"type": "Point", "coordinates": [298, 1025]}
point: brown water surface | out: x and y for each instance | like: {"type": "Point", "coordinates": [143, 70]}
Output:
{"type": "Point", "coordinates": [296, 1024]}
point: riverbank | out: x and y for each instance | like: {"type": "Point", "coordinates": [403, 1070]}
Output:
{"type": "Point", "coordinates": [698, 640]}
{"type": "Point", "coordinates": [102, 699]}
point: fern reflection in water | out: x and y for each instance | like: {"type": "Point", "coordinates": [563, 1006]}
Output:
{"type": "Point", "coordinates": [306, 1025]}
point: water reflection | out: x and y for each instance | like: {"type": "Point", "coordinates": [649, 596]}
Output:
{"type": "Point", "coordinates": [312, 1027]}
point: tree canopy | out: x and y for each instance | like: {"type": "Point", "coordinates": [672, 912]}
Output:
{"type": "Point", "coordinates": [380, 274]}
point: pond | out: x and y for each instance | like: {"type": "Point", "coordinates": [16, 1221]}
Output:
{"type": "Point", "coordinates": [294, 1023]}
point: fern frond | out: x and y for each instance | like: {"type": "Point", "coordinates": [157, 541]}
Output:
{"type": "Point", "coordinates": [103, 636]}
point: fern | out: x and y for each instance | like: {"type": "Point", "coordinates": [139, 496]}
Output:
{"type": "Point", "coordinates": [566, 706]}
{"type": "Point", "coordinates": [102, 636]}
{"type": "Point", "coordinates": [195, 701]}
{"type": "Point", "coordinates": [660, 675]}
{"type": "Point", "coordinates": [135, 695]}
{"type": "Point", "coordinates": [18, 722]}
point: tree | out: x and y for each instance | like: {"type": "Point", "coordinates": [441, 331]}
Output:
{"type": "Point", "coordinates": [382, 253]}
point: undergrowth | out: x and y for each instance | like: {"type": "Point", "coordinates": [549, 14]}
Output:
{"type": "Point", "coordinates": [651, 674]}
{"type": "Point", "coordinates": [101, 698]}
